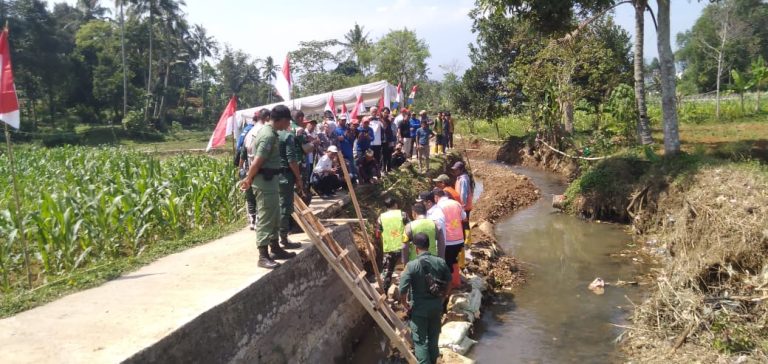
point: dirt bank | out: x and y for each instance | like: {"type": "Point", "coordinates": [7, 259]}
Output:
{"type": "Point", "coordinates": [705, 222]}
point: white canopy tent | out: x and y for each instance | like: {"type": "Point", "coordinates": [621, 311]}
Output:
{"type": "Point", "coordinates": [371, 92]}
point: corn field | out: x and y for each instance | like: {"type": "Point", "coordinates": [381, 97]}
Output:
{"type": "Point", "coordinates": [83, 205]}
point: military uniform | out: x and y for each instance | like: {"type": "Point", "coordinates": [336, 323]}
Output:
{"type": "Point", "coordinates": [287, 182]}
{"type": "Point", "coordinates": [266, 189]}
{"type": "Point", "coordinates": [426, 310]}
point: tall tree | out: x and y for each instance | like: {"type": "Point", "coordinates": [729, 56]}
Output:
{"type": "Point", "coordinates": [668, 81]}
{"type": "Point", "coordinates": [643, 123]}
{"type": "Point", "coordinates": [357, 44]}
{"type": "Point", "coordinates": [120, 7]}
{"type": "Point", "coordinates": [204, 46]}
{"type": "Point", "coordinates": [269, 72]}
{"type": "Point", "coordinates": [401, 57]}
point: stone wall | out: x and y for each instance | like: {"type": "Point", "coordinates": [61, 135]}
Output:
{"type": "Point", "coordinates": [299, 313]}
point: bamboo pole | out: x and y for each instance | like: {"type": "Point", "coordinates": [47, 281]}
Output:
{"type": "Point", "coordinates": [368, 244]}
{"type": "Point", "coordinates": [19, 219]}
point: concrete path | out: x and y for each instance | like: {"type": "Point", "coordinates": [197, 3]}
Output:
{"type": "Point", "coordinates": [109, 323]}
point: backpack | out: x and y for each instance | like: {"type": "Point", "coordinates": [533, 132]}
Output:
{"type": "Point", "coordinates": [436, 287]}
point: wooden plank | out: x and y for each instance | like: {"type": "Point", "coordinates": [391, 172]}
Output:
{"type": "Point", "coordinates": [368, 244]}
{"type": "Point", "coordinates": [363, 291]}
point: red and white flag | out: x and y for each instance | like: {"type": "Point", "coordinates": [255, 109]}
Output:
{"type": "Point", "coordinates": [331, 105]}
{"type": "Point", "coordinates": [359, 107]}
{"type": "Point", "coordinates": [381, 103]}
{"type": "Point", "coordinates": [344, 111]}
{"type": "Point", "coordinates": [283, 80]}
{"type": "Point", "coordinates": [9, 103]}
{"type": "Point", "coordinates": [226, 126]}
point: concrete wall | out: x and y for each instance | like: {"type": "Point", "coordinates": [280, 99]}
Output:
{"type": "Point", "coordinates": [299, 313]}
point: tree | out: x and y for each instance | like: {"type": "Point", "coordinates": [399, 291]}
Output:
{"type": "Point", "coordinates": [123, 64]}
{"type": "Point", "coordinates": [759, 77]}
{"type": "Point", "coordinates": [401, 57]}
{"type": "Point", "coordinates": [668, 96]}
{"type": "Point", "coordinates": [99, 48]}
{"type": "Point", "coordinates": [269, 72]}
{"type": "Point", "coordinates": [235, 70]}
{"type": "Point", "coordinates": [643, 123]}
{"type": "Point", "coordinates": [740, 85]}
{"type": "Point", "coordinates": [203, 46]}
{"type": "Point", "coordinates": [310, 65]}
{"type": "Point", "coordinates": [358, 45]}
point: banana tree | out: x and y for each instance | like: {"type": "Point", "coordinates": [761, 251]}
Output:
{"type": "Point", "coordinates": [740, 85]}
{"type": "Point", "coordinates": [759, 78]}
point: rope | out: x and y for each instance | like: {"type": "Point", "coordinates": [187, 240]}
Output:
{"type": "Point", "coordinates": [571, 156]}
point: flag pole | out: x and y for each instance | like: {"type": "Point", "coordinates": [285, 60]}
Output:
{"type": "Point", "coordinates": [19, 219]}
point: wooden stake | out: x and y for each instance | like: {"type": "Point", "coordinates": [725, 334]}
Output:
{"type": "Point", "coordinates": [368, 244]}
{"type": "Point", "coordinates": [19, 219]}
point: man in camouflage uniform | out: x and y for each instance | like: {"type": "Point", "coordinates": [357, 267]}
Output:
{"type": "Point", "coordinates": [289, 178]}
{"type": "Point", "coordinates": [263, 176]}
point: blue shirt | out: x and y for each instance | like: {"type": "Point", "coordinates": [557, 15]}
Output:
{"type": "Point", "coordinates": [423, 135]}
{"type": "Point", "coordinates": [364, 138]}
{"type": "Point", "coordinates": [415, 125]}
{"type": "Point", "coordinates": [344, 145]}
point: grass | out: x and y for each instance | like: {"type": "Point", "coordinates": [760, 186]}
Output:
{"type": "Point", "coordinates": [15, 302]}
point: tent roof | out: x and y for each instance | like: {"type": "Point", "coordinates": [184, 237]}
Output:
{"type": "Point", "coordinates": [371, 92]}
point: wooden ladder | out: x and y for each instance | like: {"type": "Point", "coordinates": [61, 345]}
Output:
{"type": "Point", "coordinates": [354, 277]}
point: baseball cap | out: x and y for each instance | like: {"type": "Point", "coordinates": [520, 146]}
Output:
{"type": "Point", "coordinates": [442, 178]}
{"type": "Point", "coordinates": [425, 196]}
{"type": "Point", "coordinates": [458, 165]}
{"type": "Point", "coordinates": [404, 110]}
{"type": "Point", "coordinates": [333, 149]}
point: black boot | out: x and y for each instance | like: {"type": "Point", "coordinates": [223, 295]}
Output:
{"type": "Point", "coordinates": [265, 261]}
{"type": "Point", "coordinates": [287, 244]}
{"type": "Point", "coordinates": [278, 252]}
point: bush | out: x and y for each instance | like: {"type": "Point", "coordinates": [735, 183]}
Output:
{"type": "Point", "coordinates": [61, 139]}
{"type": "Point", "coordinates": [134, 123]}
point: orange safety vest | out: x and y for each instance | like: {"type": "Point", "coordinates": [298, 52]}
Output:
{"type": "Point", "coordinates": [454, 230]}
{"type": "Point", "coordinates": [452, 192]}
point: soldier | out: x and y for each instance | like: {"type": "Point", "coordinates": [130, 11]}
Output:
{"type": "Point", "coordinates": [423, 288]}
{"type": "Point", "coordinates": [289, 179]}
{"type": "Point", "coordinates": [263, 177]}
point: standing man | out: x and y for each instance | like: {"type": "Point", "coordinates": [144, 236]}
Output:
{"type": "Point", "coordinates": [388, 145]}
{"type": "Point", "coordinates": [437, 127]}
{"type": "Point", "coordinates": [448, 130]}
{"type": "Point", "coordinates": [246, 158]}
{"type": "Point", "coordinates": [422, 224]}
{"type": "Point", "coordinates": [290, 178]}
{"type": "Point", "coordinates": [425, 307]}
{"type": "Point", "coordinates": [423, 136]}
{"type": "Point", "coordinates": [390, 234]}
{"type": "Point", "coordinates": [454, 230]}
{"type": "Point", "coordinates": [364, 137]}
{"type": "Point", "coordinates": [263, 177]}
{"type": "Point", "coordinates": [344, 139]}
{"type": "Point", "coordinates": [377, 138]}
{"type": "Point", "coordinates": [404, 131]}
{"type": "Point", "coordinates": [415, 124]}
{"type": "Point", "coordinates": [443, 182]}
{"type": "Point", "coordinates": [464, 188]}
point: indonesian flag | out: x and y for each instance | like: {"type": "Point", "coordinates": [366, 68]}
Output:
{"type": "Point", "coordinates": [9, 103]}
{"type": "Point", "coordinates": [359, 107]}
{"type": "Point", "coordinates": [412, 95]}
{"type": "Point", "coordinates": [226, 126]}
{"type": "Point", "coordinates": [345, 112]}
{"type": "Point", "coordinates": [381, 103]}
{"type": "Point", "coordinates": [398, 99]}
{"type": "Point", "coordinates": [331, 105]}
{"type": "Point", "coordinates": [283, 81]}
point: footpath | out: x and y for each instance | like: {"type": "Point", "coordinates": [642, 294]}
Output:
{"type": "Point", "coordinates": [112, 322]}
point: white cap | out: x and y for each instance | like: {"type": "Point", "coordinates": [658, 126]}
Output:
{"type": "Point", "coordinates": [333, 149]}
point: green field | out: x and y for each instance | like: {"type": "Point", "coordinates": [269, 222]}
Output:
{"type": "Point", "coordinates": [83, 207]}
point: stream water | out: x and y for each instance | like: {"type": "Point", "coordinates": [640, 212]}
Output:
{"type": "Point", "coordinates": [554, 318]}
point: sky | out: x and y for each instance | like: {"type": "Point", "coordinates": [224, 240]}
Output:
{"type": "Point", "coordinates": [273, 28]}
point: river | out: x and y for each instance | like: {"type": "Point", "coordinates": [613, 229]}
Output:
{"type": "Point", "coordinates": [553, 318]}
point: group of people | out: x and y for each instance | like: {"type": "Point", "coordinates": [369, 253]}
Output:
{"type": "Point", "coordinates": [280, 153]}
{"type": "Point", "coordinates": [430, 243]}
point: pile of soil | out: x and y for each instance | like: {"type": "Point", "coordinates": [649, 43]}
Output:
{"type": "Point", "coordinates": [504, 192]}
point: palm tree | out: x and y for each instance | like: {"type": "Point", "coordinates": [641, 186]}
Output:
{"type": "Point", "coordinates": [269, 72]}
{"type": "Point", "coordinates": [203, 46]}
{"type": "Point", "coordinates": [120, 4]}
{"type": "Point", "coordinates": [759, 77]}
{"type": "Point", "coordinates": [356, 42]}
{"type": "Point", "coordinates": [643, 124]}
{"type": "Point", "coordinates": [91, 9]}
{"type": "Point", "coordinates": [165, 9]}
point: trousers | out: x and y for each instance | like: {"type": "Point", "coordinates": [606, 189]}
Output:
{"type": "Point", "coordinates": [267, 197]}
{"type": "Point", "coordinates": [286, 188]}
{"type": "Point", "coordinates": [425, 331]}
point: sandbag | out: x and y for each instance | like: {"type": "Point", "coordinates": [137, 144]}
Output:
{"type": "Point", "coordinates": [453, 333]}
{"type": "Point", "coordinates": [478, 282]}
{"type": "Point", "coordinates": [450, 357]}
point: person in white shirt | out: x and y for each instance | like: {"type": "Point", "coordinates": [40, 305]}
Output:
{"type": "Point", "coordinates": [378, 134]}
{"type": "Point", "coordinates": [325, 175]}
